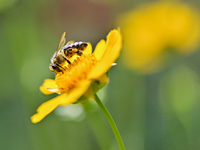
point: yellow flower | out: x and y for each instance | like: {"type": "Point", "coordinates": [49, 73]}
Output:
{"type": "Point", "coordinates": [151, 29]}
{"type": "Point", "coordinates": [83, 77]}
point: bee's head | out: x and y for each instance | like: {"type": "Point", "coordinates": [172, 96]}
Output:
{"type": "Point", "coordinates": [55, 68]}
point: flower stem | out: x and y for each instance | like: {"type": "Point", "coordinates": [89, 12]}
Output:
{"type": "Point", "coordinates": [111, 122]}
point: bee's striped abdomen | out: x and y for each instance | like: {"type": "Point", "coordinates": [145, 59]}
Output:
{"type": "Point", "coordinates": [78, 45]}
{"type": "Point", "coordinates": [74, 48]}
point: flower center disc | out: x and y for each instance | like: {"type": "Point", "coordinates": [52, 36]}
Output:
{"type": "Point", "coordinates": [74, 72]}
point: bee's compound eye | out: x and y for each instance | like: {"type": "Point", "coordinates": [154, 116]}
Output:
{"type": "Point", "coordinates": [53, 66]}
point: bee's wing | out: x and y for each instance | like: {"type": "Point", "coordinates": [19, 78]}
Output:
{"type": "Point", "coordinates": [62, 42]}
{"type": "Point", "coordinates": [67, 45]}
{"type": "Point", "coordinates": [70, 42]}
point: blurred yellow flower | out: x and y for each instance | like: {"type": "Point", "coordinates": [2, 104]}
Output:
{"type": "Point", "coordinates": [83, 77]}
{"type": "Point", "coordinates": [151, 29]}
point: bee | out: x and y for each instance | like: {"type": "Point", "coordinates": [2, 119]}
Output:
{"type": "Point", "coordinates": [64, 52]}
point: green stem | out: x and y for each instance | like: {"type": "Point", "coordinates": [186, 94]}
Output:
{"type": "Point", "coordinates": [111, 122]}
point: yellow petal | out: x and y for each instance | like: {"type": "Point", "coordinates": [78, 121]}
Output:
{"type": "Point", "coordinates": [103, 79]}
{"type": "Point", "coordinates": [64, 99]}
{"type": "Point", "coordinates": [48, 84]}
{"type": "Point", "coordinates": [88, 49]}
{"type": "Point", "coordinates": [112, 51]}
{"type": "Point", "coordinates": [100, 49]}
{"type": "Point", "coordinates": [47, 107]}
{"type": "Point", "coordinates": [77, 92]}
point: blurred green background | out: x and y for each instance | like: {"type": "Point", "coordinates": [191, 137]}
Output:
{"type": "Point", "coordinates": [157, 111]}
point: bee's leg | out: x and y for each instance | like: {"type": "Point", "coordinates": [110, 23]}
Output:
{"type": "Point", "coordinates": [70, 42]}
{"type": "Point", "coordinates": [79, 53]}
{"type": "Point", "coordinates": [66, 60]}
{"type": "Point", "coordinates": [75, 50]}
{"type": "Point", "coordinates": [60, 67]}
